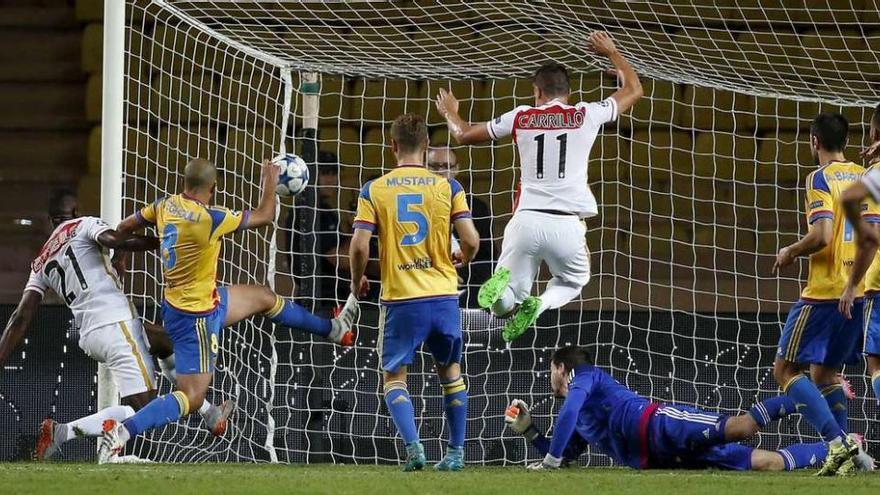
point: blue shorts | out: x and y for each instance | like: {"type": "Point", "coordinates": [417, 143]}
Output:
{"type": "Point", "coordinates": [816, 333]}
{"type": "Point", "coordinates": [196, 336]}
{"type": "Point", "coordinates": [405, 326]}
{"type": "Point", "coordinates": [872, 324]}
{"type": "Point", "coordinates": [684, 437]}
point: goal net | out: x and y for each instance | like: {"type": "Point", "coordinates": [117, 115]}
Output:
{"type": "Point", "coordinates": [699, 186]}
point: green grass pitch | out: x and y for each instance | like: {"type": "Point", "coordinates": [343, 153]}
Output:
{"type": "Point", "coordinates": [210, 479]}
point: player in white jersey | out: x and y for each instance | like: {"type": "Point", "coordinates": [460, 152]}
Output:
{"type": "Point", "coordinates": [554, 140]}
{"type": "Point", "coordinates": [73, 263]}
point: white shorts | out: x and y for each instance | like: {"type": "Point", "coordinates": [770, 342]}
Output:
{"type": "Point", "coordinates": [533, 237]}
{"type": "Point", "coordinates": [122, 347]}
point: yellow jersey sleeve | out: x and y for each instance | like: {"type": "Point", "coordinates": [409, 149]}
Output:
{"type": "Point", "coordinates": [460, 207]}
{"type": "Point", "coordinates": [820, 204]}
{"type": "Point", "coordinates": [147, 214]}
{"type": "Point", "coordinates": [365, 219]}
{"type": "Point", "coordinates": [871, 211]}
{"type": "Point", "coordinates": [225, 221]}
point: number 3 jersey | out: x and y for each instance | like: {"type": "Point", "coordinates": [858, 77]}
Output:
{"type": "Point", "coordinates": [76, 267]}
{"type": "Point", "coordinates": [191, 234]}
{"type": "Point", "coordinates": [412, 209]}
{"type": "Point", "coordinates": [554, 142]}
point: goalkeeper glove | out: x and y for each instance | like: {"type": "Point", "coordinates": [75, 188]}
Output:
{"type": "Point", "coordinates": [549, 462]}
{"type": "Point", "coordinates": [519, 419]}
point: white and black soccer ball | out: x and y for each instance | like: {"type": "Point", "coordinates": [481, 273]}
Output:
{"type": "Point", "coordinates": [294, 175]}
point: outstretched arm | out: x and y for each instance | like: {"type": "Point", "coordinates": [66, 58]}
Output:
{"type": "Point", "coordinates": [114, 239]}
{"type": "Point", "coordinates": [631, 88]}
{"type": "Point", "coordinates": [463, 132]}
{"type": "Point", "coordinates": [565, 425]}
{"type": "Point", "coordinates": [264, 214]}
{"type": "Point", "coordinates": [18, 323]}
{"type": "Point", "coordinates": [519, 419]}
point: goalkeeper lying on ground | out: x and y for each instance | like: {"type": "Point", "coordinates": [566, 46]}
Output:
{"type": "Point", "coordinates": [641, 434]}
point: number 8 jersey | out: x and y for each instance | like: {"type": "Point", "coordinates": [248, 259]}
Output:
{"type": "Point", "coordinates": [75, 266]}
{"type": "Point", "coordinates": [554, 142]}
{"type": "Point", "coordinates": [412, 210]}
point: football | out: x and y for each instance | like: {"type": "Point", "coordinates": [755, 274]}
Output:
{"type": "Point", "coordinates": [294, 175]}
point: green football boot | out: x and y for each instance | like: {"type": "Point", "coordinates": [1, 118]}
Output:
{"type": "Point", "coordinates": [524, 318]}
{"type": "Point", "coordinates": [492, 289]}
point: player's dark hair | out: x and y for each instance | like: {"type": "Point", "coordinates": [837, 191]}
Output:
{"type": "Point", "coordinates": [831, 130]}
{"type": "Point", "coordinates": [571, 357]}
{"type": "Point", "coordinates": [552, 79]}
{"type": "Point", "coordinates": [410, 132]}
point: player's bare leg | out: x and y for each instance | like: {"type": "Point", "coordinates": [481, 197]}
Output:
{"type": "Point", "coordinates": [400, 406]}
{"type": "Point", "coordinates": [245, 301]}
{"type": "Point", "coordinates": [455, 399]}
{"type": "Point", "coordinates": [215, 416]}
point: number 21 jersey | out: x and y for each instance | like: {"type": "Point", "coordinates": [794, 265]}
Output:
{"type": "Point", "coordinates": [554, 142]}
{"type": "Point", "coordinates": [74, 265]}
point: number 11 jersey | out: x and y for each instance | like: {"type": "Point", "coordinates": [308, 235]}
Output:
{"type": "Point", "coordinates": [554, 142]}
{"type": "Point", "coordinates": [412, 208]}
{"type": "Point", "coordinates": [75, 266]}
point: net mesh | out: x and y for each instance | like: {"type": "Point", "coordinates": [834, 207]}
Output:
{"type": "Point", "coordinates": [699, 186]}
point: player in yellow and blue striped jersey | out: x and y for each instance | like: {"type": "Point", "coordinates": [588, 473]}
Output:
{"type": "Point", "coordinates": [861, 202]}
{"type": "Point", "coordinates": [194, 309]}
{"type": "Point", "coordinates": [815, 333]}
{"type": "Point", "coordinates": [412, 209]}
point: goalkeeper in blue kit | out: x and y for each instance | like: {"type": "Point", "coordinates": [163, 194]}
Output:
{"type": "Point", "coordinates": [641, 434]}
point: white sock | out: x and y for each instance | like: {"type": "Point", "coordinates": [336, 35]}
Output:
{"type": "Point", "coordinates": [206, 406]}
{"type": "Point", "coordinates": [168, 369]}
{"type": "Point", "coordinates": [505, 303]}
{"type": "Point", "coordinates": [558, 294]}
{"type": "Point", "coordinates": [93, 426]}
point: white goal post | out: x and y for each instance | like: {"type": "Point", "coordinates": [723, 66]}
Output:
{"type": "Point", "coordinates": [699, 186]}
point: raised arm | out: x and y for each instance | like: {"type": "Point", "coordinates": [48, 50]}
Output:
{"type": "Point", "coordinates": [264, 214]}
{"type": "Point", "coordinates": [18, 324]}
{"type": "Point", "coordinates": [463, 132]}
{"type": "Point", "coordinates": [631, 88]}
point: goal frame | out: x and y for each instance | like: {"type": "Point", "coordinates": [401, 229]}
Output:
{"type": "Point", "coordinates": [112, 120]}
